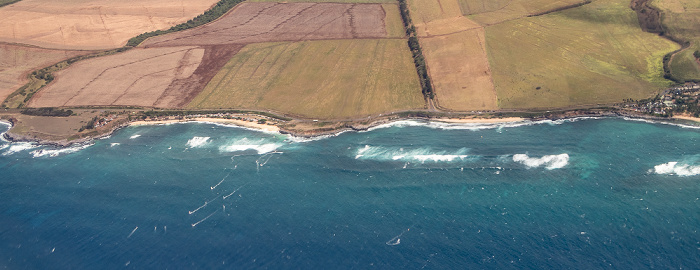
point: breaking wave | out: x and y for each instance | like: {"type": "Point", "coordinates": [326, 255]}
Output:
{"type": "Point", "coordinates": [550, 162]}
{"type": "Point", "coordinates": [260, 146]}
{"type": "Point", "coordinates": [135, 136]}
{"type": "Point", "coordinates": [197, 141]}
{"type": "Point", "coordinates": [476, 126]}
{"type": "Point", "coordinates": [18, 147]}
{"type": "Point", "coordinates": [57, 152]}
{"type": "Point", "coordinates": [674, 168]}
{"type": "Point", "coordinates": [400, 154]}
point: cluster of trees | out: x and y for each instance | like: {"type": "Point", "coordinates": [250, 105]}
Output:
{"type": "Point", "coordinates": [90, 124]}
{"type": "Point", "coordinates": [697, 54]}
{"type": "Point", "coordinates": [687, 106]}
{"type": "Point", "coordinates": [214, 13]}
{"type": "Point", "coordinates": [417, 51]}
{"type": "Point", "coordinates": [47, 112]}
{"type": "Point", "coordinates": [161, 113]}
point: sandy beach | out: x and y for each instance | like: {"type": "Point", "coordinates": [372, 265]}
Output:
{"type": "Point", "coordinates": [685, 117]}
{"type": "Point", "coordinates": [234, 122]}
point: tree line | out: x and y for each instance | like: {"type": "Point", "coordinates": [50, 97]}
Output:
{"type": "Point", "coordinates": [212, 14]}
{"type": "Point", "coordinates": [417, 51]}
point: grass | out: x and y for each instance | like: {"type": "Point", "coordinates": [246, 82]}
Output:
{"type": "Point", "coordinates": [681, 19]}
{"type": "Point", "coordinates": [594, 54]}
{"type": "Point", "coordinates": [392, 21]}
{"type": "Point", "coordinates": [318, 79]}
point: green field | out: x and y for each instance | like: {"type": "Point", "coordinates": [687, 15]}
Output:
{"type": "Point", "coordinates": [594, 54]}
{"type": "Point", "coordinates": [681, 18]}
{"type": "Point", "coordinates": [319, 79]}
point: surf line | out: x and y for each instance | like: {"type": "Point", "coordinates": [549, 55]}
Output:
{"type": "Point", "coordinates": [397, 240]}
{"type": "Point", "coordinates": [132, 232]}
{"type": "Point", "coordinates": [225, 197]}
{"type": "Point", "coordinates": [222, 180]}
{"type": "Point", "coordinates": [197, 223]}
{"type": "Point", "coordinates": [204, 205]}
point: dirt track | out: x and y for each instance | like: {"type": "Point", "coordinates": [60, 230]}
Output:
{"type": "Point", "coordinates": [266, 22]}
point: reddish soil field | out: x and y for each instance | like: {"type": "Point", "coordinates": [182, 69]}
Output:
{"type": "Point", "coordinates": [266, 22]}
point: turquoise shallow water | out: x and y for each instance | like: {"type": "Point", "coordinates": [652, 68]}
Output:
{"type": "Point", "coordinates": [587, 194]}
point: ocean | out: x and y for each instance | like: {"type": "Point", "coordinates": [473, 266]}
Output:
{"type": "Point", "coordinates": [581, 194]}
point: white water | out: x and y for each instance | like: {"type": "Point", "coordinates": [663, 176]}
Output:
{"type": "Point", "coordinates": [550, 162]}
{"type": "Point", "coordinates": [57, 152]}
{"type": "Point", "coordinates": [18, 147]}
{"type": "Point", "coordinates": [197, 141]}
{"type": "Point", "coordinates": [260, 146]}
{"type": "Point", "coordinates": [419, 154]}
{"type": "Point", "coordinates": [674, 168]}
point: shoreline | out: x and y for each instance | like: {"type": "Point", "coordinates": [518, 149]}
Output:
{"type": "Point", "coordinates": [234, 122]}
{"type": "Point", "coordinates": [340, 127]}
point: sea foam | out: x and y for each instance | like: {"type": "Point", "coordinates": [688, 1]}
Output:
{"type": "Point", "coordinates": [550, 162]}
{"type": "Point", "coordinates": [197, 141]}
{"type": "Point", "coordinates": [57, 152]}
{"type": "Point", "coordinates": [420, 154]}
{"type": "Point", "coordinates": [18, 147]}
{"type": "Point", "coordinates": [673, 168]}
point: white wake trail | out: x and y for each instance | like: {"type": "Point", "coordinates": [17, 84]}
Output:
{"type": "Point", "coordinates": [197, 223]}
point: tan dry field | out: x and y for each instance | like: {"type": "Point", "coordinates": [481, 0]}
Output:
{"type": "Point", "coordinates": [16, 62]}
{"type": "Point", "coordinates": [267, 22]}
{"type": "Point", "coordinates": [326, 79]}
{"type": "Point", "coordinates": [455, 53]}
{"type": "Point", "coordinates": [162, 77]}
{"type": "Point", "coordinates": [460, 70]}
{"type": "Point", "coordinates": [91, 24]}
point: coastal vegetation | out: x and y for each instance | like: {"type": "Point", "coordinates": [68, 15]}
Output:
{"type": "Point", "coordinates": [47, 112]}
{"type": "Point", "coordinates": [320, 79]}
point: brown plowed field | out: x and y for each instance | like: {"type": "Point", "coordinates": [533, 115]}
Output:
{"type": "Point", "coordinates": [91, 24]}
{"type": "Point", "coordinates": [265, 22]}
{"type": "Point", "coordinates": [137, 77]}
{"type": "Point", "coordinates": [16, 62]}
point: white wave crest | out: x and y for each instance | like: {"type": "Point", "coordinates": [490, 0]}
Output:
{"type": "Point", "coordinates": [421, 154]}
{"type": "Point", "coordinates": [135, 136]}
{"type": "Point", "coordinates": [476, 126]}
{"type": "Point", "coordinates": [673, 168]}
{"type": "Point", "coordinates": [18, 147]}
{"type": "Point", "coordinates": [114, 144]}
{"type": "Point", "coordinates": [57, 152]}
{"type": "Point", "coordinates": [550, 162]}
{"type": "Point", "coordinates": [245, 144]}
{"type": "Point", "coordinates": [197, 141]}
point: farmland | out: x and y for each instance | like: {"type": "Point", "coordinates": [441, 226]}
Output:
{"type": "Point", "coordinates": [266, 22]}
{"type": "Point", "coordinates": [323, 79]}
{"type": "Point", "coordinates": [587, 55]}
{"type": "Point", "coordinates": [136, 77]}
{"type": "Point", "coordinates": [682, 21]}
{"type": "Point", "coordinates": [92, 24]}
{"type": "Point", "coordinates": [16, 62]}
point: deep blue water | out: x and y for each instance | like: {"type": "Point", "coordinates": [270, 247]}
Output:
{"type": "Point", "coordinates": [588, 194]}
